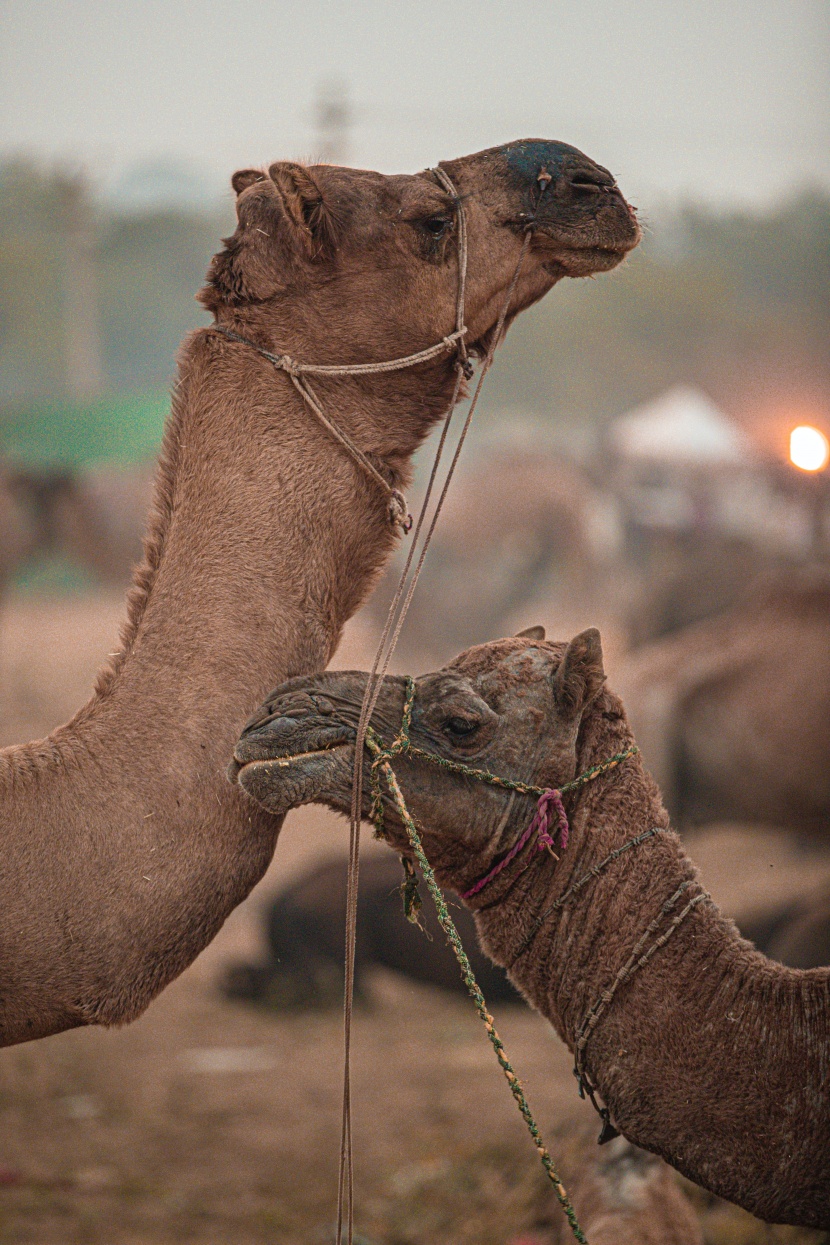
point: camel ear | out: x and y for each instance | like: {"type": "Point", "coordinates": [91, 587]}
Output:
{"type": "Point", "coordinates": [531, 633]}
{"type": "Point", "coordinates": [306, 209]}
{"type": "Point", "coordinates": [244, 178]}
{"type": "Point", "coordinates": [580, 675]}
{"type": "Point", "coordinates": [251, 267]}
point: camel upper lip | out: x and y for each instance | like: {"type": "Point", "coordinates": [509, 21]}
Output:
{"type": "Point", "coordinates": [286, 738]}
{"type": "Point", "coordinates": [280, 759]}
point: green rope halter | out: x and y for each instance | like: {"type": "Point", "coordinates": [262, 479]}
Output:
{"type": "Point", "coordinates": [382, 768]}
{"type": "Point", "coordinates": [403, 746]}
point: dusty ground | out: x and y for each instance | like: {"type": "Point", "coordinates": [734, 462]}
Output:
{"type": "Point", "coordinates": [206, 1122]}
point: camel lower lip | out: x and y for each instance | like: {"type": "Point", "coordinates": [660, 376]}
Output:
{"type": "Point", "coordinates": [284, 762]}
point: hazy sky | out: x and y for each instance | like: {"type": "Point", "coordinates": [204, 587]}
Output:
{"type": "Point", "coordinates": [725, 100]}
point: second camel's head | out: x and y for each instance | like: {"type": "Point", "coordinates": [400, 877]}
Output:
{"type": "Point", "coordinates": [514, 707]}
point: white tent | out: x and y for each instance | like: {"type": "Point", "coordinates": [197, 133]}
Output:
{"type": "Point", "coordinates": [682, 426]}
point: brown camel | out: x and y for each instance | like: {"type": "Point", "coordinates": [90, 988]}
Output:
{"type": "Point", "coordinates": [304, 941]}
{"type": "Point", "coordinates": [704, 1051]}
{"type": "Point", "coordinates": [124, 846]}
{"type": "Point", "coordinates": [99, 522]}
{"type": "Point", "coordinates": [796, 933]}
{"type": "Point", "coordinates": [733, 714]}
{"type": "Point", "coordinates": [18, 527]}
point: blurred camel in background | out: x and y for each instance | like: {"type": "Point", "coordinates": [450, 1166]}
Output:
{"type": "Point", "coordinates": [303, 927]}
{"type": "Point", "coordinates": [733, 714]}
{"type": "Point", "coordinates": [92, 519]}
{"type": "Point", "coordinates": [519, 525]}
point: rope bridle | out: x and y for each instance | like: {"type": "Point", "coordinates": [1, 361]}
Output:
{"type": "Point", "coordinates": [549, 799]}
{"type": "Point", "coordinates": [299, 372]}
{"type": "Point", "coordinates": [395, 617]}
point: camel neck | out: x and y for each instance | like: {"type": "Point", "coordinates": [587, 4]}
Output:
{"type": "Point", "coordinates": [265, 540]}
{"type": "Point", "coordinates": [708, 1041]}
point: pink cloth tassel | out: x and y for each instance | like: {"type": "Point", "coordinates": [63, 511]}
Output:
{"type": "Point", "coordinates": [541, 827]}
{"type": "Point", "coordinates": [549, 803]}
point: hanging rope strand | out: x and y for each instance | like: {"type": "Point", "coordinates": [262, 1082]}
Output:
{"type": "Point", "coordinates": [389, 639]}
{"type": "Point", "coordinates": [379, 669]}
{"type": "Point", "coordinates": [447, 924]}
{"type": "Point", "coordinates": [345, 1184]}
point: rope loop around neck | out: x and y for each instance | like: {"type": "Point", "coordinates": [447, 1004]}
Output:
{"type": "Point", "coordinates": [398, 509]}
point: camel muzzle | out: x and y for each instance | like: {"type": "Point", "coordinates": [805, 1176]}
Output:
{"type": "Point", "coordinates": [287, 737]}
{"type": "Point", "coordinates": [571, 202]}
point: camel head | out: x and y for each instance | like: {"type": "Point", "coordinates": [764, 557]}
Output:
{"type": "Point", "coordinates": [513, 707]}
{"type": "Point", "coordinates": [344, 265]}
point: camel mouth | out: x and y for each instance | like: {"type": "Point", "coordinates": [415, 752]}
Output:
{"type": "Point", "coordinates": [585, 261]}
{"type": "Point", "coordinates": [591, 248]}
{"type": "Point", "coordinates": [280, 783]}
{"type": "Point", "coordinates": [284, 741]}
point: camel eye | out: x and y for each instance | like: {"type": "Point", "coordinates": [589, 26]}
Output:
{"type": "Point", "coordinates": [460, 727]}
{"type": "Point", "coordinates": [437, 226]}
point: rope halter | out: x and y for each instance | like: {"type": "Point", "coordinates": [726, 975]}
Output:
{"type": "Point", "coordinates": [397, 509]}
{"type": "Point", "coordinates": [550, 818]}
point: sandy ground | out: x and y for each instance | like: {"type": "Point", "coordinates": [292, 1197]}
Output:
{"type": "Point", "coordinates": [209, 1122]}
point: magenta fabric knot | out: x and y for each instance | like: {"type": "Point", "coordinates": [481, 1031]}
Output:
{"type": "Point", "coordinates": [548, 803]}
{"type": "Point", "coordinates": [542, 824]}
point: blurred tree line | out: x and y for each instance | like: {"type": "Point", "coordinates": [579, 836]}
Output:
{"type": "Point", "coordinates": [145, 270]}
{"type": "Point", "coordinates": [737, 303]}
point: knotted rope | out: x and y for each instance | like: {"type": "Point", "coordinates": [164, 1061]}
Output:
{"type": "Point", "coordinates": [398, 511]}
{"type": "Point", "coordinates": [549, 800]}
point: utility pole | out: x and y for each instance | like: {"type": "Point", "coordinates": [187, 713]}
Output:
{"type": "Point", "coordinates": [333, 119]}
{"type": "Point", "coordinates": [82, 335]}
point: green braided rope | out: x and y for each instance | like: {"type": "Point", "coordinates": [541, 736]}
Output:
{"type": "Point", "coordinates": [381, 764]}
{"type": "Point", "coordinates": [403, 744]}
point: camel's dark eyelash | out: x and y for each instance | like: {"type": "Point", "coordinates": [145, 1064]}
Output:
{"type": "Point", "coordinates": [460, 726]}
{"type": "Point", "coordinates": [437, 226]}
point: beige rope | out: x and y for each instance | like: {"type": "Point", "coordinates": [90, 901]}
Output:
{"type": "Point", "coordinates": [395, 619]}
{"type": "Point", "coordinates": [345, 1187]}
{"type": "Point", "coordinates": [398, 510]}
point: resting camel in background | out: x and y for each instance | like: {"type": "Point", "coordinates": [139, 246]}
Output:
{"type": "Point", "coordinates": [733, 714]}
{"type": "Point", "coordinates": [708, 1054]}
{"type": "Point", "coordinates": [17, 530]}
{"type": "Point", "coordinates": [125, 848]}
{"type": "Point", "coordinates": [92, 518]}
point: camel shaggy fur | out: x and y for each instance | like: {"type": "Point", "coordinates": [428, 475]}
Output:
{"type": "Point", "coordinates": [708, 1055]}
{"type": "Point", "coordinates": [124, 847]}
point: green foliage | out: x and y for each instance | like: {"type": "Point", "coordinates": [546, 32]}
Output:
{"type": "Point", "coordinates": [53, 434]}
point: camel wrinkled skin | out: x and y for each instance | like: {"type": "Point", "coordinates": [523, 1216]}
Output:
{"type": "Point", "coordinates": [124, 848]}
{"type": "Point", "coordinates": [712, 1056]}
